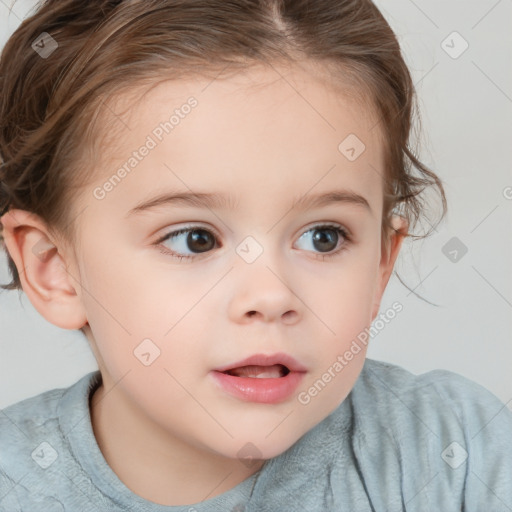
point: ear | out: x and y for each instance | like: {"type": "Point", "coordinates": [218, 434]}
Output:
{"type": "Point", "coordinates": [390, 248]}
{"type": "Point", "coordinates": [42, 269]}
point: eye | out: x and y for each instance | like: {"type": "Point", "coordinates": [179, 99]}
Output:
{"type": "Point", "coordinates": [194, 239]}
{"type": "Point", "coordinates": [197, 240]}
{"type": "Point", "coordinates": [326, 239]}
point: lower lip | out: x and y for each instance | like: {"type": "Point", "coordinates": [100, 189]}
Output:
{"type": "Point", "coordinates": [265, 391]}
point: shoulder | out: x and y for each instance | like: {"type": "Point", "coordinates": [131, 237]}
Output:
{"type": "Point", "coordinates": [437, 427]}
{"type": "Point", "coordinates": [439, 401]}
{"type": "Point", "coordinates": [31, 440]}
{"type": "Point", "coordinates": [438, 393]}
{"type": "Point", "coordinates": [41, 405]}
{"type": "Point", "coordinates": [25, 422]}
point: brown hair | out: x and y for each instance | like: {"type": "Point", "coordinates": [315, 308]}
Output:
{"type": "Point", "coordinates": [50, 107]}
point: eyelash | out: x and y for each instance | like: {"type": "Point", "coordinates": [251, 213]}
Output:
{"type": "Point", "coordinates": [173, 234]}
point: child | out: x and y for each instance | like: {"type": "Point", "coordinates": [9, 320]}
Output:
{"type": "Point", "coordinates": [232, 376]}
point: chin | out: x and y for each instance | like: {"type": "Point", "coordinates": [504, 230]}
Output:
{"type": "Point", "coordinates": [262, 447]}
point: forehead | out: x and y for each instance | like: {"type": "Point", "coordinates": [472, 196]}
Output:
{"type": "Point", "coordinates": [265, 128]}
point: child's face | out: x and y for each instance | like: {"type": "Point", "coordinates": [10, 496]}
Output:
{"type": "Point", "coordinates": [257, 282]}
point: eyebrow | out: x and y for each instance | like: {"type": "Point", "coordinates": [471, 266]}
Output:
{"type": "Point", "coordinates": [220, 200]}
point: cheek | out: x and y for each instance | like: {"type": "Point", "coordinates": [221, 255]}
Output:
{"type": "Point", "coordinates": [343, 300]}
{"type": "Point", "coordinates": [121, 289]}
{"type": "Point", "coordinates": [343, 305]}
{"type": "Point", "coordinates": [126, 308]}
{"type": "Point", "coordinates": [344, 311]}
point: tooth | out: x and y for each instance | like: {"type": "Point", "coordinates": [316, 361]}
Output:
{"type": "Point", "coordinates": [259, 372]}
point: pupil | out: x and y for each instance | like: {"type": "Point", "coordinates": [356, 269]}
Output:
{"type": "Point", "coordinates": [320, 240]}
{"type": "Point", "coordinates": [197, 238]}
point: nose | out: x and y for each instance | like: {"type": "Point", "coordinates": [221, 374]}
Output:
{"type": "Point", "coordinates": [263, 294]}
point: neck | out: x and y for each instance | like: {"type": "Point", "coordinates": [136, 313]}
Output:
{"type": "Point", "coordinates": [152, 463]}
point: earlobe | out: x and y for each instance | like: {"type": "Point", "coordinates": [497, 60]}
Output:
{"type": "Point", "coordinates": [389, 253]}
{"type": "Point", "coordinates": [42, 269]}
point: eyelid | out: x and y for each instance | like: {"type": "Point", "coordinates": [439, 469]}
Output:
{"type": "Point", "coordinates": [326, 224]}
{"type": "Point", "coordinates": [345, 233]}
{"type": "Point", "coordinates": [191, 226]}
{"type": "Point", "coordinates": [198, 225]}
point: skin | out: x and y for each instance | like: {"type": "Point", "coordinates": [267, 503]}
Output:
{"type": "Point", "coordinates": [266, 145]}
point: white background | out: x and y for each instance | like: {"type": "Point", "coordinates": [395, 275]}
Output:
{"type": "Point", "coordinates": [466, 109]}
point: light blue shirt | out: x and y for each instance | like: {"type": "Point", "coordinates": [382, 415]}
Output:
{"type": "Point", "coordinates": [435, 442]}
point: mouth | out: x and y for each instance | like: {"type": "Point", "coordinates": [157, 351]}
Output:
{"type": "Point", "coordinates": [268, 379]}
{"type": "Point", "coordinates": [259, 372]}
{"type": "Point", "coordinates": [274, 365]}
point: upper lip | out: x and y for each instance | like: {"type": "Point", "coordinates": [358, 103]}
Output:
{"type": "Point", "coordinates": [266, 360]}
